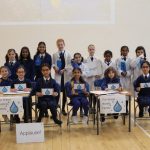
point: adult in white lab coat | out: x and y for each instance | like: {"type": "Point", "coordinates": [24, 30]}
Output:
{"type": "Point", "coordinates": [94, 65]}
{"type": "Point", "coordinates": [61, 59]}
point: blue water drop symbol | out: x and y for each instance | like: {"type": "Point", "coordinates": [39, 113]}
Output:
{"type": "Point", "coordinates": [20, 87]}
{"type": "Point", "coordinates": [79, 87]}
{"type": "Point", "coordinates": [4, 89]}
{"type": "Point", "coordinates": [117, 107]}
{"type": "Point", "coordinates": [113, 87]}
{"type": "Point", "coordinates": [13, 108]}
{"type": "Point", "coordinates": [146, 85]}
{"type": "Point", "coordinates": [47, 92]}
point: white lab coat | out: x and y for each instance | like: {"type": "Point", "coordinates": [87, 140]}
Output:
{"type": "Point", "coordinates": [125, 81]}
{"type": "Point", "coordinates": [95, 69]}
{"type": "Point", "coordinates": [67, 62]}
{"type": "Point", "coordinates": [105, 66]}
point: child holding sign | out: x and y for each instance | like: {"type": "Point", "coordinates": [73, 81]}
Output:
{"type": "Point", "coordinates": [22, 84]}
{"type": "Point", "coordinates": [142, 86]}
{"type": "Point", "coordinates": [47, 91]}
{"type": "Point", "coordinates": [5, 84]}
{"type": "Point", "coordinates": [78, 91]}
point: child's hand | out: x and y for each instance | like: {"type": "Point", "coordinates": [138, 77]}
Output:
{"type": "Point", "coordinates": [55, 94]}
{"type": "Point", "coordinates": [56, 70]}
{"type": "Point", "coordinates": [27, 90]}
{"type": "Point", "coordinates": [13, 90]}
{"type": "Point", "coordinates": [124, 74]}
{"type": "Point", "coordinates": [85, 92]}
{"type": "Point", "coordinates": [74, 93]}
{"type": "Point", "coordinates": [97, 76]}
{"type": "Point", "coordinates": [138, 89]}
{"type": "Point", "coordinates": [119, 89]}
{"type": "Point", "coordinates": [106, 89]}
{"type": "Point", "coordinates": [39, 94]}
{"type": "Point", "coordinates": [62, 71]}
{"type": "Point", "coordinates": [141, 56]}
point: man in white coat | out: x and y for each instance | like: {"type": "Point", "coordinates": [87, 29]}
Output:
{"type": "Point", "coordinates": [61, 59]}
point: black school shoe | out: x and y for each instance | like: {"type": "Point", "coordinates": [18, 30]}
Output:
{"type": "Point", "coordinates": [64, 113]}
{"type": "Point", "coordinates": [141, 114]}
{"type": "Point", "coordinates": [116, 116]}
{"type": "Point", "coordinates": [59, 122]}
{"type": "Point", "coordinates": [39, 119]}
{"type": "Point", "coordinates": [102, 119]}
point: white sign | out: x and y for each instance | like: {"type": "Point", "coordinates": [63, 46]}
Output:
{"type": "Point", "coordinates": [145, 85]}
{"type": "Point", "coordinates": [47, 91]}
{"type": "Point", "coordinates": [20, 87]}
{"type": "Point", "coordinates": [4, 89]}
{"type": "Point", "coordinates": [11, 105]}
{"type": "Point", "coordinates": [113, 86]}
{"type": "Point", "coordinates": [79, 86]}
{"type": "Point", "coordinates": [29, 132]}
{"type": "Point", "coordinates": [112, 103]}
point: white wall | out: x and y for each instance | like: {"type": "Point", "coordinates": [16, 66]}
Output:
{"type": "Point", "coordinates": [132, 28]}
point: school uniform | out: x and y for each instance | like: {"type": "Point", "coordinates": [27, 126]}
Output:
{"type": "Point", "coordinates": [26, 100]}
{"type": "Point", "coordinates": [106, 81]}
{"type": "Point", "coordinates": [61, 60]}
{"type": "Point", "coordinates": [106, 65]}
{"type": "Point", "coordinates": [47, 101]}
{"type": "Point", "coordinates": [77, 100]}
{"type": "Point", "coordinates": [123, 65]}
{"type": "Point", "coordinates": [13, 68]}
{"type": "Point", "coordinates": [143, 82]}
{"type": "Point", "coordinates": [5, 82]}
{"type": "Point", "coordinates": [40, 59]}
{"type": "Point", "coordinates": [29, 68]}
{"type": "Point", "coordinates": [95, 69]}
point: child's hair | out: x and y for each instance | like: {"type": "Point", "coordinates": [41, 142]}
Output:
{"type": "Point", "coordinates": [82, 59]}
{"type": "Point", "coordinates": [145, 62]}
{"type": "Point", "coordinates": [81, 78]}
{"type": "Point", "coordinates": [123, 48]}
{"type": "Point", "coordinates": [45, 65]}
{"type": "Point", "coordinates": [10, 50]}
{"type": "Point", "coordinates": [21, 67]}
{"type": "Point", "coordinates": [29, 56]}
{"type": "Point", "coordinates": [141, 48]}
{"type": "Point", "coordinates": [39, 45]}
{"type": "Point", "coordinates": [5, 67]}
{"type": "Point", "coordinates": [108, 52]}
{"type": "Point", "coordinates": [60, 40]}
{"type": "Point", "coordinates": [110, 69]}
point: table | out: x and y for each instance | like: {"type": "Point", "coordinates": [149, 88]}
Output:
{"type": "Point", "coordinates": [97, 95]}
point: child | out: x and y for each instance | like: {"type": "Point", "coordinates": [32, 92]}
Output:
{"type": "Point", "coordinates": [108, 60]}
{"type": "Point", "coordinates": [78, 95]}
{"type": "Point", "coordinates": [124, 70]}
{"type": "Point", "coordinates": [47, 101]}
{"type": "Point", "coordinates": [142, 86]}
{"type": "Point", "coordinates": [27, 62]}
{"type": "Point", "coordinates": [25, 85]}
{"type": "Point", "coordinates": [5, 81]}
{"type": "Point", "coordinates": [94, 65]}
{"type": "Point", "coordinates": [61, 59]}
{"type": "Point", "coordinates": [136, 63]}
{"type": "Point", "coordinates": [40, 58]}
{"type": "Point", "coordinates": [12, 63]}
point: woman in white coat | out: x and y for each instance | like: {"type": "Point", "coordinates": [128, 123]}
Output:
{"type": "Point", "coordinates": [61, 59]}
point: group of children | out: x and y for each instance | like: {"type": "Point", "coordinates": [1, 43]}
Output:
{"type": "Point", "coordinates": [74, 77]}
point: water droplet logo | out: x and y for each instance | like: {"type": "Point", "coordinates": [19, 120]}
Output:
{"type": "Point", "coordinates": [146, 85]}
{"type": "Point", "coordinates": [113, 87]}
{"type": "Point", "coordinates": [79, 87]}
{"type": "Point", "coordinates": [20, 88]}
{"type": "Point", "coordinates": [13, 108]}
{"type": "Point", "coordinates": [4, 89]}
{"type": "Point", "coordinates": [47, 92]}
{"type": "Point", "coordinates": [117, 107]}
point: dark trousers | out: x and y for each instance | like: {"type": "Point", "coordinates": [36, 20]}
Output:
{"type": "Point", "coordinates": [47, 104]}
{"type": "Point", "coordinates": [76, 102]}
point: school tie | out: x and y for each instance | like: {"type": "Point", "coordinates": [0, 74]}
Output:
{"type": "Point", "coordinates": [11, 64]}
{"type": "Point", "coordinates": [42, 57]}
{"type": "Point", "coordinates": [124, 58]}
{"type": "Point", "coordinates": [107, 63]}
{"type": "Point", "coordinates": [145, 77]}
{"type": "Point", "coordinates": [92, 58]}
